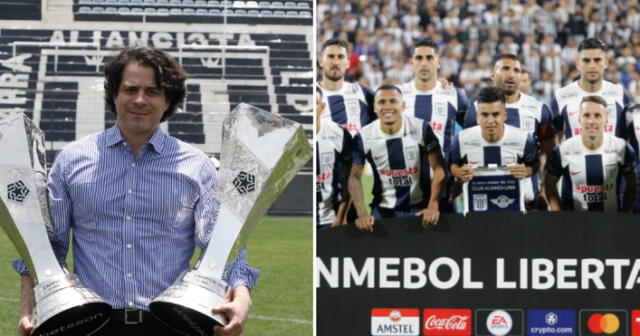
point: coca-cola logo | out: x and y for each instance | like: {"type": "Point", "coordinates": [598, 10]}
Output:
{"type": "Point", "coordinates": [447, 322]}
{"type": "Point", "coordinates": [455, 322]}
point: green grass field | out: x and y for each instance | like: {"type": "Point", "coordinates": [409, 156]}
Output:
{"type": "Point", "coordinates": [281, 247]}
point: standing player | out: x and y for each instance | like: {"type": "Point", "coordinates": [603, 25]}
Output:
{"type": "Point", "coordinates": [493, 143]}
{"type": "Point", "coordinates": [425, 98]}
{"type": "Point", "coordinates": [523, 111]}
{"type": "Point", "coordinates": [348, 104]}
{"type": "Point", "coordinates": [591, 63]}
{"type": "Point", "coordinates": [333, 157]}
{"type": "Point", "coordinates": [400, 150]}
{"type": "Point", "coordinates": [590, 166]}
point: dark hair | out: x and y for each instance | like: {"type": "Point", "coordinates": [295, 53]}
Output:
{"type": "Point", "coordinates": [334, 41]}
{"type": "Point", "coordinates": [491, 94]}
{"type": "Point", "coordinates": [387, 87]}
{"type": "Point", "coordinates": [169, 75]}
{"type": "Point", "coordinates": [592, 43]}
{"type": "Point", "coordinates": [425, 43]}
{"type": "Point", "coordinates": [505, 56]}
{"type": "Point", "coordinates": [594, 99]}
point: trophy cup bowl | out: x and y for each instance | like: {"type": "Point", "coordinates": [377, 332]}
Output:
{"type": "Point", "coordinates": [261, 153]}
{"type": "Point", "coordinates": [64, 307]}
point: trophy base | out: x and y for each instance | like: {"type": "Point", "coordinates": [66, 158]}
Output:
{"type": "Point", "coordinates": [186, 305]}
{"type": "Point", "coordinates": [65, 307]}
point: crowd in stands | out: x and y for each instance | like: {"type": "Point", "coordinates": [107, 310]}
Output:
{"type": "Point", "coordinates": [470, 33]}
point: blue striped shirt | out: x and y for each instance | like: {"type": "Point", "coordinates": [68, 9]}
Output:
{"type": "Point", "coordinates": [135, 220]}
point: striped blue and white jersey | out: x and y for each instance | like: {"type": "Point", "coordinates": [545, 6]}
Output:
{"type": "Point", "coordinates": [566, 108]}
{"type": "Point", "coordinates": [439, 107]}
{"type": "Point", "coordinates": [399, 162]}
{"type": "Point", "coordinates": [590, 178]}
{"type": "Point", "coordinates": [351, 106]}
{"type": "Point", "coordinates": [516, 147]}
{"type": "Point", "coordinates": [333, 155]}
{"type": "Point", "coordinates": [135, 220]}
{"type": "Point", "coordinates": [528, 114]}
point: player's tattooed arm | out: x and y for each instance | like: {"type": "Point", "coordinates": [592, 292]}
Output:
{"type": "Point", "coordinates": [364, 221]}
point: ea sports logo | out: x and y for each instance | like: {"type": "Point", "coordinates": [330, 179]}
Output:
{"type": "Point", "coordinates": [395, 315]}
{"type": "Point", "coordinates": [607, 323]}
{"type": "Point", "coordinates": [499, 323]}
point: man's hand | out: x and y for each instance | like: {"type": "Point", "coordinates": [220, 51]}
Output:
{"type": "Point", "coordinates": [236, 309]}
{"type": "Point", "coordinates": [466, 173]}
{"type": "Point", "coordinates": [365, 223]}
{"type": "Point", "coordinates": [429, 215]}
{"type": "Point", "coordinates": [25, 327]}
{"type": "Point", "coordinates": [519, 171]}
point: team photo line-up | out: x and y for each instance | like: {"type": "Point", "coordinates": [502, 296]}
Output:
{"type": "Point", "coordinates": [426, 144]}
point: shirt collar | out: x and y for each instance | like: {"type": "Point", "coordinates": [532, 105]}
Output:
{"type": "Point", "coordinates": [157, 141]}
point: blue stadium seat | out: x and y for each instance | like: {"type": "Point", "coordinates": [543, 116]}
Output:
{"type": "Point", "coordinates": [110, 2]}
{"type": "Point", "coordinates": [303, 5]}
{"type": "Point", "coordinates": [124, 10]}
{"type": "Point", "coordinates": [175, 3]}
{"type": "Point", "coordinates": [290, 4]}
{"type": "Point", "coordinates": [84, 10]}
{"type": "Point", "coordinates": [97, 10]}
{"type": "Point", "coordinates": [215, 12]}
{"type": "Point", "coordinates": [253, 13]}
{"type": "Point", "coordinates": [239, 4]}
{"type": "Point", "coordinates": [292, 14]}
{"type": "Point", "coordinates": [187, 3]}
{"type": "Point", "coordinates": [136, 2]}
{"type": "Point", "coordinates": [213, 3]}
{"type": "Point", "coordinates": [264, 4]}
{"type": "Point", "coordinates": [240, 12]}
{"type": "Point", "coordinates": [163, 11]}
{"type": "Point", "coordinates": [162, 2]}
{"type": "Point", "coordinates": [98, 2]}
{"type": "Point", "coordinates": [252, 4]}
{"type": "Point", "coordinates": [202, 11]}
{"type": "Point", "coordinates": [150, 10]}
{"type": "Point", "coordinates": [175, 11]}
{"type": "Point", "coordinates": [277, 4]}
{"type": "Point", "coordinates": [266, 13]}
{"type": "Point", "coordinates": [201, 3]}
{"type": "Point", "coordinates": [136, 10]}
{"type": "Point", "coordinates": [188, 11]}
{"type": "Point", "coordinates": [149, 2]}
{"type": "Point", "coordinates": [85, 2]}
{"type": "Point", "coordinates": [279, 13]}
{"type": "Point", "coordinates": [111, 10]}
{"type": "Point", "coordinates": [123, 2]}
{"type": "Point", "coordinates": [305, 14]}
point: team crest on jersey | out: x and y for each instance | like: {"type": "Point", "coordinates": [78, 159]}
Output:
{"type": "Point", "coordinates": [352, 106]}
{"type": "Point", "coordinates": [411, 153]}
{"type": "Point", "coordinates": [611, 112]}
{"type": "Point", "coordinates": [441, 109]}
{"type": "Point", "coordinates": [508, 160]}
{"type": "Point", "coordinates": [326, 159]}
{"type": "Point", "coordinates": [503, 201]}
{"type": "Point", "coordinates": [528, 123]}
{"type": "Point", "coordinates": [480, 202]}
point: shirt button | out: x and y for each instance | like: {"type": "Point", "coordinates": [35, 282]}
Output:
{"type": "Point", "coordinates": [130, 191]}
{"type": "Point", "coordinates": [129, 246]}
{"type": "Point", "coordinates": [128, 217]}
{"type": "Point", "coordinates": [129, 275]}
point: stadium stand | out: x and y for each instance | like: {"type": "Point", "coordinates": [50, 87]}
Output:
{"type": "Point", "coordinates": [213, 11]}
{"type": "Point", "coordinates": [55, 75]}
{"type": "Point", "coordinates": [469, 33]}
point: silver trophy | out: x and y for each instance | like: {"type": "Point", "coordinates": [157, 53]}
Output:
{"type": "Point", "coordinates": [261, 153]}
{"type": "Point", "coordinates": [63, 305]}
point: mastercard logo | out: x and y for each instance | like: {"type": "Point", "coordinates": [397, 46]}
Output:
{"type": "Point", "coordinates": [603, 323]}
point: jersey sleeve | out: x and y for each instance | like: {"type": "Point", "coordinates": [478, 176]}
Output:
{"type": "Point", "coordinates": [454, 157]}
{"type": "Point", "coordinates": [431, 143]}
{"type": "Point", "coordinates": [554, 163]}
{"type": "Point", "coordinates": [629, 163]}
{"type": "Point", "coordinates": [358, 150]}
{"type": "Point", "coordinates": [530, 155]}
{"type": "Point", "coordinates": [368, 95]}
{"type": "Point", "coordinates": [470, 118]}
{"type": "Point", "coordinates": [556, 114]}
{"type": "Point", "coordinates": [346, 155]}
{"type": "Point", "coordinates": [545, 129]}
{"type": "Point", "coordinates": [463, 106]}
